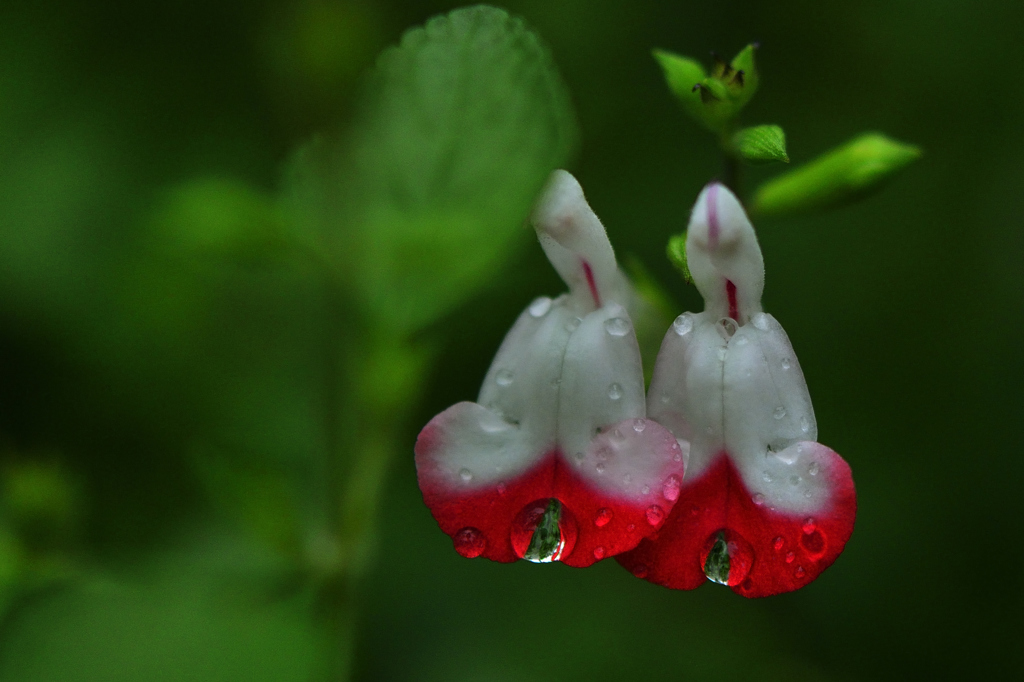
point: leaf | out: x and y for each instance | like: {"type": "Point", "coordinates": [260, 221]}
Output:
{"type": "Point", "coordinates": [676, 252]}
{"type": "Point", "coordinates": [840, 176]}
{"type": "Point", "coordinates": [761, 144]}
{"type": "Point", "coordinates": [460, 126]}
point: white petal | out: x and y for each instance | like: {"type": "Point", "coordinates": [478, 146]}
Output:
{"type": "Point", "coordinates": [575, 241]}
{"type": "Point", "coordinates": [722, 251]}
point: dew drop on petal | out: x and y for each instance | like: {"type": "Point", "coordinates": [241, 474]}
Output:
{"type": "Point", "coordinates": [540, 306]}
{"type": "Point", "coordinates": [785, 363]}
{"type": "Point", "coordinates": [627, 479]}
{"type": "Point", "coordinates": [630, 528]}
{"type": "Point", "coordinates": [778, 543]}
{"type": "Point", "coordinates": [466, 475]}
{"type": "Point", "coordinates": [639, 425]}
{"type": "Point", "coordinates": [655, 515]}
{"type": "Point", "coordinates": [805, 424]}
{"type": "Point", "coordinates": [670, 490]}
{"type": "Point", "coordinates": [809, 526]}
{"type": "Point", "coordinates": [504, 377]}
{"type": "Point", "coordinates": [600, 467]}
{"type": "Point", "coordinates": [573, 324]}
{"type": "Point", "coordinates": [767, 477]}
{"type": "Point", "coordinates": [470, 542]}
{"type": "Point", "coordinates": [615, 391]}
{"type": "Point", "coordinates": [760, 320]}
{"type": "Point", "coordinates": [616, 326]}
{"type": "Point", "coordinates": [543, 531]}
{"type": "Point", "coordinates": [723, 353]}
{"type": "Point", "coordinates": [779, 412]}
{"type": "Point", "coordinates": [604, 516]}
{"type": "Point", "coordinates": [599, 553]}
{"type": "Point", "coordinates": [646, 490]}
{"type": "Point", "coordinates": [682, 325]}
{"type": "Point", "coordinates": [799, 572]}
{"type": "Point", "coordinates": [741, 341]}
{"type": "Point", "coordinates": [814, 469]}
{"type": "Point", "coordinates": [501, 488]}
{"type": "Point", "coordinates": [795, 480]}
{"type": "Point", "coordinates": [758, 499]}
{"type": "Point", "coordinates": [790, 557]}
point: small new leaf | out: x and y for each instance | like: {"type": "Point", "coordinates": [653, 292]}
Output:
{"type": "Point", "coordinates": [676, 251]}
{"type": "Point", "coordinates": [761, 144]}
{"type": "Point", "coordinates": [838, 177]}
{"type": "Point", "coordinates": [712, 100]}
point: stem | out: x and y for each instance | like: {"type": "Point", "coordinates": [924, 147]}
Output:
{"type": "Point", "coordinates": [731, 166]}
{"type": "Point", "coordinates": [375, 380]}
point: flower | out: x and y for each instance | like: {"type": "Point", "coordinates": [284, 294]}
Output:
{"type": "Point", "coordinates": [763, 507]}
{"type": "Point", "coordinates": [556, 460]}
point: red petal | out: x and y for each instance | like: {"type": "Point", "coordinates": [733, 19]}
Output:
{"type": "Point", "coordinates": [490, 522]}
{"type": "Point", "coordinates": [770, 552]}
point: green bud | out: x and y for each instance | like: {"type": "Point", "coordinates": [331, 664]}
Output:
{"type": "Point", "coordinates": [761, 144]}
{"type": "Point", "coordinates": [843, 175]}
{"type": "Point", "coordinates": [676, 251]}
{"type": "Point", "coordinates": [715, 99]}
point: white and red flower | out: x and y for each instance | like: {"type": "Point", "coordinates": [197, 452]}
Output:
{"type": "Point", "coordinates": [559, 432]}
{"type": "Point", "coordinates": [763, 507]}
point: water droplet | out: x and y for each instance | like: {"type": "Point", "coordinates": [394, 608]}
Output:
{"type": "Point", "coordinates": [778, 543]}
{"type": "Point", "coordinates": [785, 363]}
{"type": "Point", "coordinates": [466, 475]}
{"type": "Point", "coordinates": [631, 527]}
{"type": "Point", "coordinates": [604, 515]}
{"type": "Point", "coordinates": [600, 467]}
{"type": "Point", "coordinates": [599, 553]}
{"type": "Point", "coordinates": [809, 526]}
{"type": "Point", "coordinates": [727, 327]}
{"type": "Point", "coordinates": [616, 326]}
{"type": "Point", "coordinates": [741, 341]}
{"type": "Point", "coordinates": [790, 557]}
{"type": "Point", "coordinates": [767, 477]}
{"type": "Point", "coordinates": [556, 382]}
{"type": "Point", "coordinates": [543, 531]}
{"type": "Point", "coordinates": [729, 558]}
{"type": "Point", "coordinates": [617, 435]}
{"type": "Point", "coordinates": [646, 490]}
{"type": "Point", "coordinates": [573, 324]}
{"type": "Point", "coordinates": [805, 424]}
{"type": "Point", "coordinates": [795, 480]}
{"type": "Point", "coordinates": [501, 488]}
{"type": "Point", "coordinates": [807, 494]}
{"type": "Point", "coordinates": [639, 425]}
{"type": "Point", "coordinates": [678, 457]}
{"type": "Point", "coordinates": [655, 515]}
{"type": "Point", "coordinates": [670, 490]}
{"type": "Point", "coordinates": [640, 571]}
{"type": "Point", "coordinates": [578, 457]}
{"type": "Point", "coordinates": [723, 353]}
{"type": "Point", "coordinates": [470, 542]}
{"type": "Point", "coordinates": [665, 398]}
{"type": "Point", "coordinates": [758, 499]}
{"type": "Point", "coordinates": [760, 320]}
{"type": "Point", "coordinates": [504, 377]}
{"type": "Point", "coordinates": [683, 324]}
{"type": "Point", "coordinates": [799, 572]}
{"type": "Point", "coordinates": [540, 306]}
{"type": "Point", "coordinates": [813, 543]}
{"type": "Point", "coordinates": [779, 412]}
{"type": "Point", "coordinates": [615, 391]}
{"type": "Point", "coordinates": [814, 469]}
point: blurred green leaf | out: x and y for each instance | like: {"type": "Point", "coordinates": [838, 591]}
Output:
{"type": "Point", "coordinates": [651, 309]}
{"type": "Point", "coordinates": [676, 252]}
{"type": "Point", "coordinates": [840, 176]}
{"type": "Point", "coordinates": [761, 144]}
{"type": "Point", "coordinates": [460, 127]}
{"type": "Point", "coordinates": [712, 100]}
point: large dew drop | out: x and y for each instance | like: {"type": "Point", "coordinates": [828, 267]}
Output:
{"type": "Point", "coordinates": [470, 542]}
{"type": "Point", "coordinates": [683, 325]}
{"type": "Point", "coordinates": [504, 377]}
{"type": "Point", "coordinates": [729, 558]}
{"type": "Point", "coordinates": [615, 391]}
{"type": "Point", "coordinates": [543, 531]}
{"type": "Point", "coordinates": [616, 326]}
{"type": "Point", "coordinates": [540, 306]}
{"type": "Point", "coordinates": [655, 515]}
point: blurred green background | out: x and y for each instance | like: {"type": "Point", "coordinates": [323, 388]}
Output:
{"type": "Point", "coordinates": [138, 367]}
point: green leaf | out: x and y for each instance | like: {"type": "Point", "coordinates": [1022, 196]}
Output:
{"type": "Point", "coordinates": [712, 100]}
{"type": "Point", "coordinates": [676, 251]}
{"type": "Point", "coordinates": [761, 144]}
{"type": "Point", "coordinates": [459, 129]}
{"type": "Point", "coordinates": [843, 175]}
